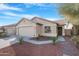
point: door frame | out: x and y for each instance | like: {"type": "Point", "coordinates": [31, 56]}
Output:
{"type": "Point", "coordinates": [59, 30]}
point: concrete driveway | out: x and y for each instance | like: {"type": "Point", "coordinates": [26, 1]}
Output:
{"type": "Point", "coordinates": [4, 42]}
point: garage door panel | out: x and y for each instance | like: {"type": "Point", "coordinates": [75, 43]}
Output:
{"type": "Point", "coordinates": [27, 31]}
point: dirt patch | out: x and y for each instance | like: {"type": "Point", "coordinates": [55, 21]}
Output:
{"type": "Point", "coordinates": [27, 49]}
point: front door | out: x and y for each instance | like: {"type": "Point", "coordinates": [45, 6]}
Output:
{"type": "Point", "coordinates": [59, 30]}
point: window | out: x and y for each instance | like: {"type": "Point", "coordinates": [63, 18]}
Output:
{"type": "Point", "coordinates": [47, 29]}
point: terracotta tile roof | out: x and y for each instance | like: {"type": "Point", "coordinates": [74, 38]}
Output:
{"type": "Point", "coordinates": [44, 19]}
{"type": "Point", "coordinates": [9, 25]}
{"type": "Point", "coordinates": [60, 22]}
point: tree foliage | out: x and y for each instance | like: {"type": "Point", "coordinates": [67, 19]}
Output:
{"type": "Point", "coordinates": [70, 11]}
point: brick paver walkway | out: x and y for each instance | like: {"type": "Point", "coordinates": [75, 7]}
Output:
{"type": "Point", "coordinates": [69, 48]}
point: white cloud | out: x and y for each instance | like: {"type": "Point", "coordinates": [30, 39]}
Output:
{"type": "Point", "coordinates": [5, 7]}
{"type": "Point", "coordinates": [42, 5]}
{"type": "Point", "coordinates": [39, 4]}
{"type": "Point", "coordinates": [5, 17]}
{"type": "Point", "coordinates": [2, 24]}
{"type": "Point", "coordinates": [29, 5]}
{"type": "Point", "coordinates": [29, 16]}
{"type": "Point", "coordinates": [4, 20]}
{"type": "Point", "coordinates": [53, 19]}
{"type": "Point", "coordinates": [10, 14]}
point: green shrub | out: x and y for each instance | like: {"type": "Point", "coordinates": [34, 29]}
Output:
{"type": "Point", "coordinates": [2, 34]}
{"type": "Point", "coordinates": [21, 40]}
{"type": "Point", "coordinates": [54, 39]}
{"type": "Point", "coordinates": [75, 39]}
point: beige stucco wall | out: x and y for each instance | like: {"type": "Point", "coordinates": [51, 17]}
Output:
{"type": "Point", "coordinates": [46, 23]}
{"type": "Point", "coordinates": [39, 30]}
{"type": "Point", "coordinates": [68, 26]}
{"type": "Point", "coordinates": [26, 22]}
{"type": "Point", "coordinates": [26, 27]}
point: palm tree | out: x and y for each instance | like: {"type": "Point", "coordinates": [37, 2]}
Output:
{"type": "Point", "coordinates": [71, 13]}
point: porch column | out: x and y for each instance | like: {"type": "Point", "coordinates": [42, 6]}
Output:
{"type": "Point", "coordinates": [63, 31]}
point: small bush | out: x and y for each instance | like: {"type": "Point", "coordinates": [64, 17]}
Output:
{"type": "Point", "coordinates": [21, 40]}
{"type": "Point", "coordinates": [75, 39]}
{"type": "Point", "coordinates": [2, 34]}
{"type": "Point", "coordinates": [54, 39]}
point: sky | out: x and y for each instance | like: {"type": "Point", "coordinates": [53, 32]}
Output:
{"type": "Point", "coordinates": [13, 12]}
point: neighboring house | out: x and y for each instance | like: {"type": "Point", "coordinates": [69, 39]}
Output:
{"type": "Point", "coordinates": [1, 29]}
{"type": "Point", "coordinates": [36, 27]}
{"type": "Point", "coordinates": [10, 29]}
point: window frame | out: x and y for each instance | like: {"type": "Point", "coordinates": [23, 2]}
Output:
{"type": "Point", "coordinates": [47, 29]}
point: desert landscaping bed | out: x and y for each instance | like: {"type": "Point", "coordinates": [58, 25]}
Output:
{"type": "Point", "coordinates": [28, 49]}
{"type": "Point", "coordinates": [43, 38]}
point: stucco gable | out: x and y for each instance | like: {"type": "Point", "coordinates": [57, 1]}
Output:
{"type": "Point", "coordinates": [25, 21]}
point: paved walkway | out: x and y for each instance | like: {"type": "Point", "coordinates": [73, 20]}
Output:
{"type": "Point", "coordinates": [68, 47]}
{"type": "Point", "coordinates": [37, 42]}
{"type": "Point", "coordinates": [60, 39]}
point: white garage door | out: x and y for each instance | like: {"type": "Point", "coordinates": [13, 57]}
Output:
{"type": "Point", "coordinates": [27, 31]}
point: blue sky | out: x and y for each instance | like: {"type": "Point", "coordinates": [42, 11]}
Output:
{"type": "Point", "coordinates": [13, 12]}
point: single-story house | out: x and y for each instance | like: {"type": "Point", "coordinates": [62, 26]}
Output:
{"type": "Point", "coordinates": [36, 27]}
{"type": "Point", "coordinates": [10, 29]}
